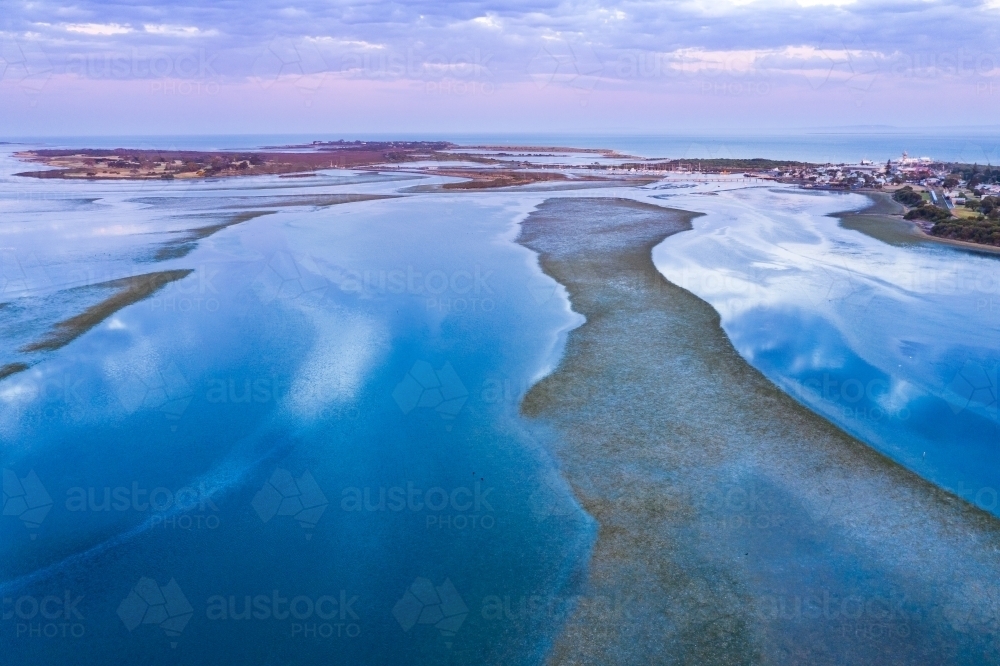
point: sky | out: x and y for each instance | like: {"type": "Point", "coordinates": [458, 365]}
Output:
{"type": "Point", "coordinates": [327, 66]}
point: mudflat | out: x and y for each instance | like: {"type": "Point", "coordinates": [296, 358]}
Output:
{"type": "Point", "coordinates": [735, 525]}
{"type": "Point", "coordinates": [126, 291]}
{"type": "Point", "coordinates": [883, 220]}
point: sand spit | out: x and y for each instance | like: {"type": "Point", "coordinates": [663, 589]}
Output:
{"type": "Point", "coordinates": [127, 291]}
{"type": "Point", "coordinates": [484, 180]}
{"type": "Point", "coordinates": [736, 526]}
{"type": "Point", "coordinates": [182, 245]}
{"type": "Point", "coordinates": [12, 369]}
{"type": "Point", "coordinates": [256, 202]}
{"type": "Point", "coordinates": [155, 164]}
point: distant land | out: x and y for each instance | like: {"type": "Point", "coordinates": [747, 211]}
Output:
{"type": "Point", "coordinates": [290, 161]}
{"type": "Point", "coordinates": [954, 202]}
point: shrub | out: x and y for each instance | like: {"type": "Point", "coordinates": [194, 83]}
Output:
{"type": "Point", "coordinates": [908, 197]}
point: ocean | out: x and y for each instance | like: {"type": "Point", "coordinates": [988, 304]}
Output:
{"type": "Point", "coordinates": [819, 145]}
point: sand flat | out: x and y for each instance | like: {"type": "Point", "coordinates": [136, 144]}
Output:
{"type": "Point", "coordinates": [127, 291]}
{"type": "Point", "coordinates": [736, 526]}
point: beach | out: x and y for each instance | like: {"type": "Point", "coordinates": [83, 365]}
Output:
{"type": "Point", "coordinates": [736, 526]}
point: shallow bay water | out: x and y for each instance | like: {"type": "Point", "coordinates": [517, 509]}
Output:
{"type": "Point", "coordinates": [736, 526]}
{"type": "Point", "coordinates": [311, 447]}
{"type": "Point", "coordinates": [324, 412]}
{"type": "Point", "coordinates": [896, 344]}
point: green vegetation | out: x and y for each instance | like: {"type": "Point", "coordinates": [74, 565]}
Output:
{"type": "Point", "coordinates": [908, 197]}
{"type": "Point", "coordinates": [986, 231]}
{"type": "Point", "coordinates": [754, 164]}
{"type": "Point", "coordinates": [976, 175]}
{"type": "Point", "coordinates": [920, 208]}
{"type": "Point", "coordinates": [984, 228]}
{"type": "Point", "coordinates": [987, 207]}
{"type": "Point", "coordinates": [927, 211]}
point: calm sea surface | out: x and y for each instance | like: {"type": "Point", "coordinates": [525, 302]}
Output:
{"type": "Point", "coordinates": [320, 421]}
{"type": "Point", "coordinates": [974, 146]}
{"type": "Point", "coordinates": [310, 447]}
{"type": "Point", "coordinates": [898, 345]}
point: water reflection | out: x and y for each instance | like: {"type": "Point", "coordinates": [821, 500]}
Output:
{"type": "Point", "coordinates": [898, 345]}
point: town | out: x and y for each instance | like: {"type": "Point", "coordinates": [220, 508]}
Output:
{"type": "Point", "coordinates": [949, 200]}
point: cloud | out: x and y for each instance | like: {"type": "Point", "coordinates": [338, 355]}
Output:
{"type": "Point", "coordinates": [666, 51]}
{"type": "Point", "coordinates": [103, 29]}
{"type": "Point", "coordinates": [178, 30]}
{"type": "Point", "coordinates": [490, 21]}
{"type": "Point", "coordinates": [512, 29]}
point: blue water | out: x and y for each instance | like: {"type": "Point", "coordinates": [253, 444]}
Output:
{"type": "Point", "coordinates": [323, 416]}
{"type": "Point", "coordinates": [835, 145]}
{"type": "Point", "coordinates": [898, 345]}
{"type": "Point", "coordinates": [364, 362]}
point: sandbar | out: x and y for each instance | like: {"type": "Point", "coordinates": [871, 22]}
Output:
{"type": "Point", "coordinates": [127, 290]}
{"type": "Point", "coordinates": [736, 526]}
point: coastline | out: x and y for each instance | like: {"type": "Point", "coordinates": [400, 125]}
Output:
{"type": "Point", "coordinates": [724, 505]}
{"type": "Point", "coordinates": [883, 221]}
{"type": "Point", "coordinates": [123, 164]}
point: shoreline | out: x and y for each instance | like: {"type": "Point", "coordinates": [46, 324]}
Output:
{"type": "Point", "coordinates": [121, 164]}
{"type": "Point", "coordinates": [304, 161]}
{"type": "Point", "coordinates": [129, 164]}
{"type": "Point", "coordinates": [714, 490]}
{"type": "Point", "coordinates": [882, 210]}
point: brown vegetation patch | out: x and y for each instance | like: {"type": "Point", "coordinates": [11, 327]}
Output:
{"type": "Point", "coordinates": [128, 291]}
{"type": "Point", "coordinates": [481, 180]}
{"type": "Point", "coordinates": [12, 369]}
